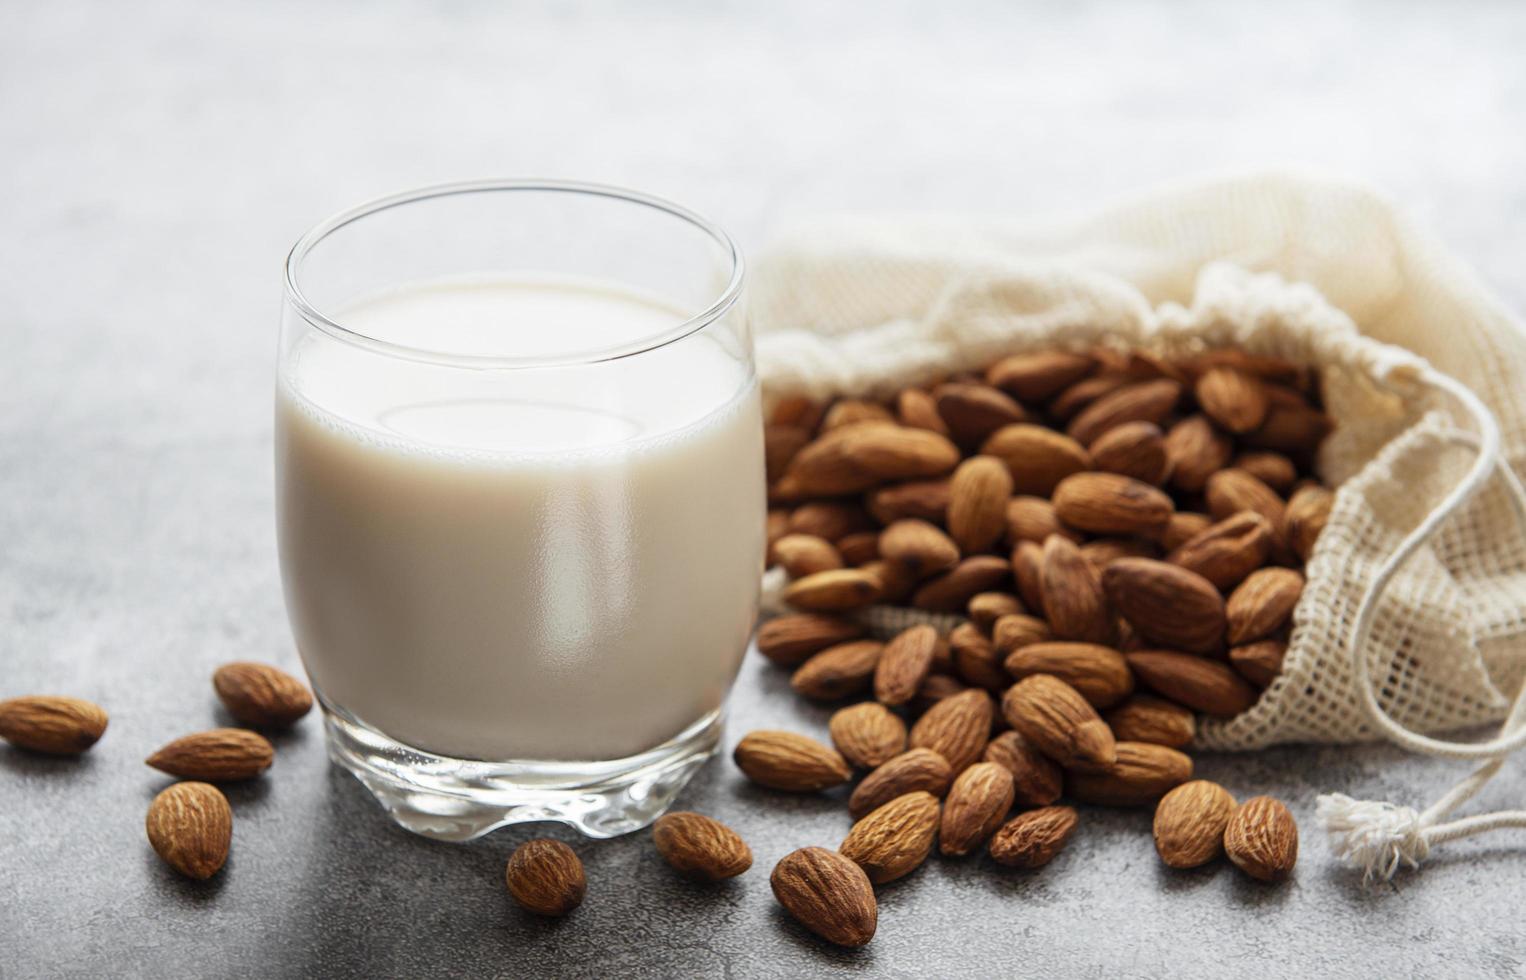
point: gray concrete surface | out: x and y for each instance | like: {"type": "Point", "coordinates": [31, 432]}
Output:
{"type": "Point", "coordinates": [156, 160]}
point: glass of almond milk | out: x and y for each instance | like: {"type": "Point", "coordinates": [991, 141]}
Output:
{"type": "Point", "coordinates": [519, 471]}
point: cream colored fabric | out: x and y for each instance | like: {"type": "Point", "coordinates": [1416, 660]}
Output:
{"type": "Point", "coordinates": [1322, 273]}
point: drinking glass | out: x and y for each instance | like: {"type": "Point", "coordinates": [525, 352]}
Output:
{"type": "Point", "coordinates": [519, 472]}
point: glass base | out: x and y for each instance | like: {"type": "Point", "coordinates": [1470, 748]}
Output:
{"type": "Point", "coordinates": [458, 799]}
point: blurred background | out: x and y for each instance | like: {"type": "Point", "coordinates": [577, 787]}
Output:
{"type": "Point", "coordinates": [158, 158]}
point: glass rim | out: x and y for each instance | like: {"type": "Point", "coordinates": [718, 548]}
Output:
{"type": "Point", "coordinates": [321, 321]}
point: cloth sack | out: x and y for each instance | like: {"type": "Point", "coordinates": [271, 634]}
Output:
{"type": "Point", "coordinates": [1413, 616]}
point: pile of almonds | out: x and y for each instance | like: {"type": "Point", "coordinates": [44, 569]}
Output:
{"type": "Point", "coordinates": [1110, 524]}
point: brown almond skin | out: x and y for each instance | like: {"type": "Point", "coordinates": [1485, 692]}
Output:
{"type": "Point", "coordinates": [545, 877]}
{"type": "Point", "coordinates": [1231, 491]}
{"type": "Point", "coordinates": [976, 660]}
{"type": "Point", "coordinates": [1166, 604]}
{"type": "Point", "coordinates": [805, 554]}
{"type": "Point", "coordinates": [1183, 527]}
{"type": "Point", "coordinates": [791, 639]}
{"type": "Point", "coordinates": [1033, 519]}
{"type": "Point", "coordinates": [828, 519]}
{"type": "Point", "coordinates": [1033, 839]}
{"type": "Point", "coordinates": [1273, 469]}
{"type": "Point", "coordinates": [973, 411]}
{"type": "Point", "coordinates": [780, 445]}
{"type": "Point", "coordinates": [952, 590]}
{"type": "Point", "coordinates": [852, 458]}
{"type": "Point", "coordinates": [956, 728]}
{"type": "Point", "coordinates": [1134, 449]}
{"type": "Point", "coordinates": [867, 734]}
{"type": "Point", "coordinates": [1099, 673]}
{"type": "Point", "coordinates": [920, 499]}
{"type": "Point", "coordinates": [1074, 400]}
{"type": "Point", "coordinates": [1307, 513]}
{"type": "Point", "coordinates": [977, 804]}
{"type": "Point", "coordinates": [1055, 719]}
{"type": "Point", "coordinates": [1073, 598]}
{"type": "Point", "coordinates": [1109, 503]}
{"type": "Point", "coordinates": [839, 671]}
{"type": "Point", "coordinates": [1143, 401]}
{"type": "Point", "coordinates": [904, 664]}
{"type": "Point", "coordinates": [1226, 552]}
{"type": "Point", "coordinates": [859, 548]}
{"type": "Point", "coordinates": [1259, 662]}
{"type": "Point", "coordinates": [221, 755]}
{"type": "Point", "coordinates": [1039, 376]}
{"type": "Point", "coordinates": [1036, 780]}
{"type": "Point", "coordinates": [852, 411]}
{"type": "Point", "coordinates": [52, 724]}
{"type": "Point", "coordinates": [1190, 822]}
{"type": "Point", "coordinates": [1262, 604]}
{"type": "Point", "coordinates": [789, 761]}
{"type": "Point", "coordinates": [797, 410]}
{"type": "Point", "coordinates": [1196, 451]}
{"type": "Point", "coordinates": [1027, 573]}
{"type": "Point", "coordinates": [987, 607]}
{"type": "Point", "coordinates": [1143, 718]}
{"type": "Point", "coordinates": [700, 847]}
{"type": "Point", "coordinates": [1262, 839]}
{"type": "Point", "coordinates": [1017, 631]}
{"type": "Point", "coordinates": [1038, 458]}
{"type": "Point", "coordinates": [912, 770]}
{"type": "Point", "coordinates": [917, 409]}
{"type": "Point", "coordinates": [1236, 400]}
{"type": "Point", "coordinates": [190, 827]}
{"type": "Point", "coordinates": [935, 689]}
{"type": "Point", "coordinates": [893, 840]}
{"type": "Point", "coordinates": [895, 581]}
{"type": "Point", "coordinates": [828, 894]}
{"type": "Point", "coordinates": [1206, 686]}
{"type": "Point", "coordinates": [977, 510]}
{"type": "Point", "coordinates": [1142, 773]}
{"type": "Point", "coordinates": [920, 546]}
{"type": "Point", "coordinates": [1294, 429]}
{"type": "Point", "coordinates": [839, 590]}
{"type": "Point", "coordinates": [261, 695]}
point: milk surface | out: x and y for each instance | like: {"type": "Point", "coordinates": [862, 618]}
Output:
{"type": "Point", "coordinates": [550, 564]}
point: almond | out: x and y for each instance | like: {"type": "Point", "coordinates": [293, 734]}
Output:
{"type": "Point", "coordinates": [952, 590]}
{"type": "Point", "coordinates": [52, 724]}
{"type": "Point", "coordinates": [977, 509]}
{"type": "Point", "coordinates": [1032, 839]}
{"type": "Point", "coordinates": [1073, 400]}
{"type": "Point", "coordinates": [1143, 401]}
{"type": "Point", "coordinates": [977, 804]}
{"type": "Point", "coordinates": [545, 877]}
{"type": "Point", "coordinates": [828, 894]}
{"type": "Point", "coordinates": [1190, 822]}
{"type": "Point", "coordinates": [956, 728]}
{"type": "Point", "coordinates": [923, 499]}
{"type": "Point", "coordinates": [896, 582]}
{"type": "Point", "coordinates": [912, 771]}
{"type": "Point", "coordinates": [1262, 604]}
{"type": "Point", "coordinates": [828, 519]}
{"type": "Point", "coordinates": [805, 554]}
{"type": "Point", "coordinates": [1102, 552]}
{"type": "Point", "coordinates": [780, 445]}
{"type": "Point", "coordinates": [261, 695]}
{"type": "Point", "coordinates": [1307, 513]}
{"type": "Point", "coordinates": [1295, 429]}
{"type": "Point", "coordinates": [1143, 718]}
{"type": "Point", "coordinates": [1183, 527]}
{"type": "Point", "coordinates": [1027, 572]}
{"type": "Point", "coordinates": [867, 734]}
{"type": "Point", "coordinates": [853, 411]}
{"type": "Point", "coordinates": [1259, 662]}
{"type": "Point", "coordinates": [1134, 449]}
{"type": "Point", "coordinates": [987, 607]}
{"type": "Point", "coordinates": [190, 827]}
{"type": "Point", "coordinates": [974, 411]}
{"type": "Point", "coordinates": [1262, 839]}
{"type": "Point", "coordinates": [893, 840]}
{"type": "Point", "coordinates": [1166, 604]}
{"type": "Point", "coordinates": [840, 590]}
{"type": "Point", "coordinates": [904, 665]}
{"type": "Point", "coordinates": [1207, 686]}
{"type": "Point", "coordinates": [1036, 780]}
{"type": "Point", "coordinates": [1038, 376]}
{"type": "Point", "coordinates": [859, 548]}
{"type": "Point", "coordinates": [1038, 458]}
{"type": "Point", "coordinates": [920, 546]}
{"type": "Point", "coordinates": [1107, 503]}
{"type": "Point", "coordinates": [789, 640]}
{"type": "Point", "coordinates": [935, 689]}
{"type": "Point", "coordinates": [976, 660]}
{"type": "Point", "coordinates": [838, 671]}
{"type": "Point", "coordinates": [1142, 773]}
{"type": "Point", "coordinates": [798, 411]}
{"type": "Point", "coordinates": [916, 409]}
{"type": "Point", "coordinates": [852, 458]}
{"type": "Point", "coordinates": [1073, 599]}
{"type": "Point", "coordinates": [777, 524]}
{"type": "Point", "coordinates": [1017, 631]}
{"type": "Point", "coordinates": [1196, 451]}
{"type": "Point", "coordinates": [700, 847]}
{"type": "Point", "coordinates": [1226, 552]}
{"type": "Point", "coordinates": [790, 762]}
{"type": "Point", "coordinates": [1231, 491]}
{"type": "Point", "coordinates": [1055, 719]}
{"type": "Point", "coordinates": [1235, 400]}
{"type": "Point", "coordinates": [221, 755]}
{"type": "Point", "coordinates": [1099, 673]}
{"type": "Point", "coordinates": [1273, 469]}
{"type": "Point", "coordinates": [1033, 519]}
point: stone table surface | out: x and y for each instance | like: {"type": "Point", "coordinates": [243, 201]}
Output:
{"type": "Point", "coordinates": [157, 159]}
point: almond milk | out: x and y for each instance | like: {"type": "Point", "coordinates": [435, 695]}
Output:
{"type": "Point", "coordinates": [532, 563]}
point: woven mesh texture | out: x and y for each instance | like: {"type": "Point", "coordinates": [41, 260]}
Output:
{"type": "Point", "coordinates": [1322, 274]}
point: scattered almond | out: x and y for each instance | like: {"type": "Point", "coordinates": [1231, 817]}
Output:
{"type": "Point", "coordinates": [1226, 552]}
{"type": "Point", "coordinates": [805, 554]}
{"type": "Point", "coordinates": [956, 728]}
{"type": "Point", "coordinates": [893, 840]}
{"type": "Point", "coordinates": [1073, 599]}
{"type": "Point", "coordinates": [1259, 662]}
{"type": "Point", "coordinates": [1054, 718]}
{"type": "Point", "coordinates": [1203, 685]}
{"type": "Point", "coordinates": [1262, 604]}
{"type": "Point", "coordinates": [828, 894]}
{"type": "Point", "coordinates": [545, 877]}
{"type": "Point", "coordinates": [977, 803]}
{"type": "Point", "coordinates": [1036, 780]}
{"type": "Point", "coordinates": [1141, 774]}
{"type": "Point", "coordinates": [919, 545]}
{"type": "Point", "coordinates": [867, 734]}
{"type": "Point", "coordinates": [1038, 376]}
{"type": "Point", "coordinates": [977, 509]}
{"type": "Point", "coordinates": [700, 847]}
{"type": "Point", "coordinates": [833, 591]}
{"type": "Point", "coordinates": [1038, 458]}
{"type": "Point", "coordinates": [789, 640]}
{"type": "Point", "coordinates": [909, 772]}
{"type": "Point", "coordinates": [1143, 718]}
{"type": "Point", "coordinates": [1232, 398]}
{"type": "Point", "coordinates": [952, 591]}
{"type": "Point", "coordinates": [1099, 673]}
{"type": "Point", "coordinates": [261, 695]}
{"type": "Point", "coordinates": [1262, 839]}
{"type": "Point", "coordinates": [53, 724]}
{"type": "Point", "coordinates": [1166, 604]}
{"type": "Point", "coordinates": [1033, 839]}
{"type": "Point", "coordinates": [221, 755]}
{"type": "Point", "coordinates": [190, 827]}
{"type": "Point", "coordinates": [790, 762]}
{"type": "Point", "coordinates": [1190, 822]}
{"type": "Point", "coordinates": [1107, 503]}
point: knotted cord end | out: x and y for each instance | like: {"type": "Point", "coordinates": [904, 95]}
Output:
{"type": "Point", "coordinates": [1375, 838]}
